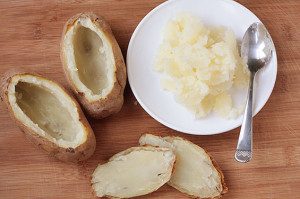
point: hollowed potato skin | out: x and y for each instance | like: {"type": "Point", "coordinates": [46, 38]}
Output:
{"type": "Point", "coordinates": [113, 102]}
{"type": "Point", "coordinates": [80, 153]}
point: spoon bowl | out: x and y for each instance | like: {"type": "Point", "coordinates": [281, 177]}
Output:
{"type": "Point", "coordinates": [257, 48]}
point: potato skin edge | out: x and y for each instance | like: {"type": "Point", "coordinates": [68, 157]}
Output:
{"type": "Point", "coordinates": [80, 153]}
{"type": "Point", "coordinates": [113, 102]}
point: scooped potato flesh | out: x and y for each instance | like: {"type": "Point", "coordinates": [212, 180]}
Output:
{"type": "Point", "coordinates": [90, 59]}
{"type": "Point", "coordinates": [45, 110]}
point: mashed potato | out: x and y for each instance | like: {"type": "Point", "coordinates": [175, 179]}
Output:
{"type": "Point", "coordinates": [201, 64]}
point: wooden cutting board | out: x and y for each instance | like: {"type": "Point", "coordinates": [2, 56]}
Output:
{"type": "Point", "coordinates": [29, 38]}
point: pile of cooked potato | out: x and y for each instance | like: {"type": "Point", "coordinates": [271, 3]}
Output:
{"type": "Point", "coordinates": [200, 65]}
{"type": "Point", "coordinates": [52, 119]}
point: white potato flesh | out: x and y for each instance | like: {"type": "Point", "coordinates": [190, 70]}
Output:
{"type": "Point", "coordinates": [90, 60]}
{"type": "Point", "coordinates": [194, 172]}
{"type": "Point", "coordinates": [46, 109]}
{"type": "Point", "coordinates": [134, 172]}
{"type": "Point", "coordinates": [199, 61]}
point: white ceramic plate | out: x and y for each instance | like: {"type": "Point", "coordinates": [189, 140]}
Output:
{"type": "Point", "coordinates": [145, 83]}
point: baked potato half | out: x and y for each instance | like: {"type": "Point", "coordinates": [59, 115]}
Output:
{"type": "Point", "coordinates": [196, 172]}
{"type": "Point", "coordinates": [48, 115]}
{"type": "Point", "coordinates": [93, 64]}
{"type": "Point", "coordinates": [134, 172]}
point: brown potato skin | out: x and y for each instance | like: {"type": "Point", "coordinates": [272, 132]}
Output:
{"type": "Point", "coordinates": [225, 188]}
{"type": "Point", "coordinates": [80, 153]}
{"type": "Point", "coordinates": [113, 102]}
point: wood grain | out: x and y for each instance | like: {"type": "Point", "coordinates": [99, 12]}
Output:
{"type": "Point", "coordinates": [29, 37]}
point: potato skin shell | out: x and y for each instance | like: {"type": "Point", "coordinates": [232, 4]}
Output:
{"type": "Point", "coordinates": [80, 153]}
{"type": "Point", "coordinates": [113, 102]}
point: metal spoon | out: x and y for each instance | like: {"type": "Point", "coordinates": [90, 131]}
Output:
{"type": "Point", "coordinates": [257, 47]}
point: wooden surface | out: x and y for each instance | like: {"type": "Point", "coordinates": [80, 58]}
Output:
{"type": "Point", "coordinates": [29, 38]}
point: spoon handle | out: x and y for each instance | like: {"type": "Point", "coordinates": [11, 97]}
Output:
{"type": "Point", "coordinates": [243, 152]}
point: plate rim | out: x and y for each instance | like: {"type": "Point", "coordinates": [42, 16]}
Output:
{"type": "Point", "coordinates": [148, 110]}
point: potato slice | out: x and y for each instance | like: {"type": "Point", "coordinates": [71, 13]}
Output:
{"type": "Point", "coordinates": [48, 115]}
{"type": "Point", "coordinates": [134, 172]}
{"type": "Point", "coordinates": [93, 64]}
{"type": "Point", "coordinates": [196, 173]}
